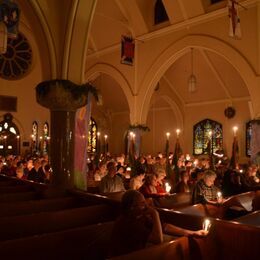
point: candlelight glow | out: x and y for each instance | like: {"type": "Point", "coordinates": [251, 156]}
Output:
{"type": "Point", "coordinates": [98, 134]}
{"type": "Point", "coordinates": [235, 128]}
{"type": "Point", "coordinates": [219, 194]}
{"type": "Point", "coordinates": [167, 187]}
{"type": "Point", "coordinates": [178, 132]}
{"type": "Point", "coordinates": [210, 133]}
{"type": "Point", "coordinates": [168, 135]}
{"type": "Point", "coordinates": [206, 225]}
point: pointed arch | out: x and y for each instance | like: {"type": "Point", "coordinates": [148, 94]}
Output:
{"type": "Point", "coordinates": [178, 49]}
{"type": "Point", "coordinates": [94, 71]}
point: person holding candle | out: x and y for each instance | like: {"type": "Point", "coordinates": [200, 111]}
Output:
{"type": "Point", "coordinates": [139, 225]}
{"type": "Point", "coordinates": [205, 191]}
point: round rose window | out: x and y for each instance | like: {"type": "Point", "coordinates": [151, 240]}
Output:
{"type": "Point", "coordinates": [17, 60]}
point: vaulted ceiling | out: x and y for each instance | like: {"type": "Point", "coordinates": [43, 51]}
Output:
{"type": "Point", "coordinates": [216, 78]}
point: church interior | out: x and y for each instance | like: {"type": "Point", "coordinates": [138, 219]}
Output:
{"type": "Point", "coordinates": [172, 83]}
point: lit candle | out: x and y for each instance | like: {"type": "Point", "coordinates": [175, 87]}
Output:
{"type": "Point", "coordinates": [105, 150]}
{"type": "Point", "coordinates": [210, 134]}
{"type": "Point", "coordinates": [40, 144]}
{"type": "Point", "coordinates": [178, 132]}
{"type": "Point", "coordinates": [219, 196]}
{"type": "Point", "coordinates": [168, 135]}
{"type": "Point", "coordinates": [206, 225]}
{"type": "Point", "coordinates": [167, 187]}
{"type": "Point", "coordinates": [235, 128]}
{"type": "Point", "coordinates": [98, 134]}
{"type": "Point", "coordinates": [18, 143]}
{"type": "Point", "coordinates": [187, 157]}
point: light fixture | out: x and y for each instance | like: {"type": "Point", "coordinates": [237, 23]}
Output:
{"type": "Point", "coordinates": [192, 81]}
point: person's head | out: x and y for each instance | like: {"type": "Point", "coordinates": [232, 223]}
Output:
{"type": "Point", "coordinates": [160, 174]}
{"type": "Point", "coordinates": [140, 173]}
{"type": "Point", "coordinates": [133, 202]}
{"type": "Point", "coordinates": [209, 177]}
{"type": "Point", "coordinates": [151, 179]}
{"type": "Point", "coordinates": [36, 163]}
{"type": "Point", "coordinates": [111, 167]}
{"type": "Point", "coordinates": [121, 170]}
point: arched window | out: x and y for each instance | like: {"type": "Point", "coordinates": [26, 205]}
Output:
{"type": "Point", "coordinates": [92, 136]}
{"type": "Point", "coordinates": [9, 136]}
{"type": "Point", "coordinates": [46, 138]}
{"type": "Point", "coordinates": [34, 137]}
{"type": "Point", "coordinates": [160, 14]}
{"type": "Point", "coordinates": [201, 137]}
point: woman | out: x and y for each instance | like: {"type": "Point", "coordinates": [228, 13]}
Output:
{"type": "Point", "coordinates": [140, 224]}
{"type": "Point", "coordinates": [149, 189]}
{"type": "Point", "coordinates": [137, 181]}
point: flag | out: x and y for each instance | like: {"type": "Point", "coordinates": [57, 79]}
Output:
{"type": "Point", "coordinates": [234, 20]}
{"type": "Point", "coordinates": [235, 151]}
{"type": "Point", "coordinates": [127, 50]}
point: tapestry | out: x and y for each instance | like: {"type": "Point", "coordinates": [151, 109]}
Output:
{"type": "Point", "coordinates": [81, 145]}
{"type": "Point", "coordinates": [255, 143]}
{"type": "Point", "coordinates": [127, 50]}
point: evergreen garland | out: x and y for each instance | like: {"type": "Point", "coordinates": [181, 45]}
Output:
{"type": "Point", "coordinates": [76, 91]}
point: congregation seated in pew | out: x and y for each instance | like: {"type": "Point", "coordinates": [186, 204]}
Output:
{"type": "Point", "coordinates": [139, 224]}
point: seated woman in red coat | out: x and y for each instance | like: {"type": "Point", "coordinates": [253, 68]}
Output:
{"type": "Point", "coordinates": [150, 187]}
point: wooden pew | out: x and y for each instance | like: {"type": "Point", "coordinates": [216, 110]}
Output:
{"type": "Point", "coordinates": [227, 240]}
{"type": "Point", "coordinates": [174, 201]}
{"type": "Point", "coordinates": [90, 242]}
{"type": "Point", "coordinates": [14, 189]}
{"type": "Point", "coordinates": [46, 222]}
{"type": "Point", "coordinates": [36, 206]}
{"type": "Point", "coordinates": [177, 249]}
{"type": "Point", "coordinates": [20, 196]}
{"type": "Point", "coordinates": [250, 219]}
{"type": "Point", "coordinates": [178, 218]}
{"type": "Point", "coordinates": [256, 201]}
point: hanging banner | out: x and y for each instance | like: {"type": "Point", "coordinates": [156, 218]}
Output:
{"type": "Point", "coordinates": [10, 15]}
{"type": "Point", "coordinates": [127, 50]}
{"type": "Point", "coordinates": [234, 20]}
{"type": "Point", "coordinates": [255, 142]}
{"type": "Point", "coordinates": [81, 145]}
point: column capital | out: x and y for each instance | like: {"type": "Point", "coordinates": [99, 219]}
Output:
{"type": "Point", "coordinates": [63, 95]}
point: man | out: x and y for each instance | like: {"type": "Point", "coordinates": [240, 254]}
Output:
{"type": "Point", "coordinates": [111, 182]}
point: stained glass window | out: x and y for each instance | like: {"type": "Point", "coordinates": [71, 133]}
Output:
{"type": "Point", "coordinates": [9, 136]}
{"type": "Point", "coordinates": [207, 133]}
{"type": "Point", "coordinates": [92, 136]}
{"type": "Point", "coordinates": [16, 62]}
{"type": "Point", "coordinates": [46, 138]}
{"type": "Point", "coordinates": [248, 138]}
{"type": "Point", "coordinates": [34, 137]}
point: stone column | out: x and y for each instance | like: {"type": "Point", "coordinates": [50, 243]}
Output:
{"type": "Point", "coordinates": [63, 98]}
